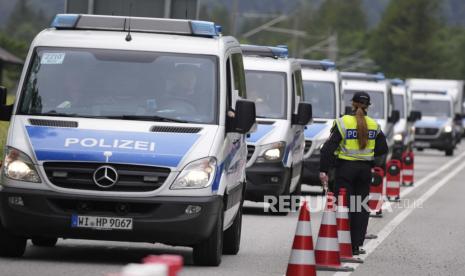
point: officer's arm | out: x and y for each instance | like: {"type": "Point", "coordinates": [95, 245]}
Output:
{"type": "Point", "coordinates": [327, 151]}
{"type": "Point", "coordinates": [381, 146]}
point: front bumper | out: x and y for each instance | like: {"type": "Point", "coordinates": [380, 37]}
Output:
{"type": "Point", "coordinates": [266, 179]}
{"type": "Point", "coordinates": [155, 219]}
{"type": "Point", "coordinates": [443, 142]}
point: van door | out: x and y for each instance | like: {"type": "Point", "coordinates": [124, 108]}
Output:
{"type": "Point", "coordinates": [235, 148]}
{"type": "Point", "coordinates": [297, 139]}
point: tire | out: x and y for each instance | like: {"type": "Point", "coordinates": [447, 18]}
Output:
{"type": "Point", "coordinates": [44, 242]}
{"type": "Point", "coordinates": [209, 251]}
{"type": "Point", "coordinates": [420, 149]}
{"type": "Point", "coordinates": [232, 236]}
{"type": "Point", "coordinates": [449, 152]}
{"type": "Point", "coordinates": [10, 245]}
{"type": "Point", "coordinates": [286, 192]}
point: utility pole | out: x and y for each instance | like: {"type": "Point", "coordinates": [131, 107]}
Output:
{"type": "Point", "coordinates": [332, 47]}
{"type": "Point", "coordinates": [233, 21]}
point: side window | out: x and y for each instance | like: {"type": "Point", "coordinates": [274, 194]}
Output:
{"type": "Point", "coordinates": [294, 92]}
{"type": "Point", "coordinates": [228, 85]}
{"type": "Point", "coordinates": [239, 75]}
{"type": "Point", "coordinates": [299, 83]}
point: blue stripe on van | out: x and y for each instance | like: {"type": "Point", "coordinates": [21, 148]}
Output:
{"type": "Point", "coordinates": [261, 131]}
{"type": "Point", "coordinates": [154, 149]}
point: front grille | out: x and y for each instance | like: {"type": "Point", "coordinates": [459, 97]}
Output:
{"type": "Point", "coordinates": [250, 151]}
{"type": "Point", "coordinates": [174, 129]}
{"type": "Point", "coordinates": [131, 178]}
{"type": "Point", "coordinates": [308, 145]}
{"type": "Point", "coordinates": [53, 123]}
{"type": "Point", "coordinates": [103, 207]}
{"type": "Point", "coordinates": [426, 131]}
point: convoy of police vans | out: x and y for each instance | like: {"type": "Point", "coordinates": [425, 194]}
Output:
{"type": "Point", "coordinates": [157, 130]}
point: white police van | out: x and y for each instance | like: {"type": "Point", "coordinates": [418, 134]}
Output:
{"type": "Point", "coordinates": [321, 89]}
{"type": "Point", "coordinates": [436, 128]}
{"type": "Point", "coordinates": [275, 149]}
{"type": "Point", "coordinates": [127, 129]}
{"type": "Point", "coordinates": [382, 103]}
{"type": "Point", "coordinates": [404, 130]}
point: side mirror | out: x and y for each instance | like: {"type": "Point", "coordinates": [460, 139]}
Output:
{"type": "Point", "coordinates": [304, 114]}
{"type": "Point", "coordinates": [414, 116]}
{"type": "Point", "coordinates": [395, 116]}
{"type": "Point", "coordinates": [245, 116]}
{"type": "Point", "coordinates": [5, 110]}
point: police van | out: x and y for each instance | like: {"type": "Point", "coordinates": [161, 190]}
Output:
{"type": "Point", "coordinates": [404, 130]}
{"type": "Point", "coordinates": [321, 89]}
{"type": "Point", "coordinates": [382, 103]}
{"type": "Point", "coordinates": [275, 149]}
{"type": "Point", "coordinates": [436, 128]}
{"type": "Point", "coordinates": [127, 129]}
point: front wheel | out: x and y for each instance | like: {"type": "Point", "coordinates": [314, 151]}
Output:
{"type": "Point", "coordinates": [10, 245]}
{"type": "Point", "coordinates": [232, 236]}
{"type": "Point", "coordinates": [449, 152]}
{"type": "Point", "coordinates": [209, 251]}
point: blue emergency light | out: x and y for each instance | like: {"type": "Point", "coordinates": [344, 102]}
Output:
{"type": "Point", "coordinates": [136, 24]}
{"type": "Point", "coordinates": [362, 76]}
{"type": "Point", "coordinates": [280, 51]}
{"type": "Point", "coordinates": [324, 64]}
{"type": "Point", "coordinates": [397, 82]}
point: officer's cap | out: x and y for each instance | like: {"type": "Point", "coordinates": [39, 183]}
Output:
{"type": "Point", "coordinates": [361, 97]}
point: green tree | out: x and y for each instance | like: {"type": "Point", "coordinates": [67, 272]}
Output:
{"type": "Point", "coordinates": [24, 22]}
{"type": "Point", "coordinates": [405, 42]}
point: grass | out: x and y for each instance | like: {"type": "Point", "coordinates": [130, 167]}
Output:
{"type": "Point", "coordinates": [4, 126]}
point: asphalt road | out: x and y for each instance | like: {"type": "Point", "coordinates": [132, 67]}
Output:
{"type": "Point", "coordinates": [426, 240]}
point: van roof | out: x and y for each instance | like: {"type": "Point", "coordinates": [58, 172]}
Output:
{"type": "Point", "coordinates": [140, 41]}
{"type": "Point", "coordinates": [361, 85]}
{"type": "Point", "coordinates": [269, 64]}
{"type": "Point", "coordinates": [320, 75]}
{"type": "Point", "coordinates": [428, 96]}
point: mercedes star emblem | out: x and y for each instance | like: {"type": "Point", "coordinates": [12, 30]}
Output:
{"type": "Point", "coordinates": [105, 177]}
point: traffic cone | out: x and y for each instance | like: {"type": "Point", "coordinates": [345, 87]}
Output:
{"type": "Point", "coordinates": [174, 263]}
{"type": "Point", "coordinates": [302, 260]}
{"type": "Point", "coordinates": [376, 193]}
{"type": "Point", "coordinates": [327, 255]}
{"type": "Point", "coordinates": [343, 229]}
{"type": "Point", "coordinates": [393, 169]}
{"type": "Point", "coordinates": [408, 168]}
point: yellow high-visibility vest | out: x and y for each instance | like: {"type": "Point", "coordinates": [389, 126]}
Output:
{"type": "Point", "coordinates": [348, 147]}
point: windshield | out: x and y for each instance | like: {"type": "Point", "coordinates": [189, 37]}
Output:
{"type": "Point", "coordinates": [268, 91]}
{"type": "Point", "coordinates": [433, 108]}
{"type": "Point", "coordinates": [322, 97]}
{"type": "Point", "coordinates": [121, 84]}
{"type": "Point", "coordinates": [399, 104]}
{"type": "Point", "coordinates": [375, 110]}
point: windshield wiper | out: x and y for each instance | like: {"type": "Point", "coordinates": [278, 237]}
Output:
{"type": "Point", "coordinates": [56, 114]}
{"type": "Point", "coordinates": [147, 118]}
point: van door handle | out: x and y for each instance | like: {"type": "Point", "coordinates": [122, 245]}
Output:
{"type": "Point", "coordinates": [236, 141]}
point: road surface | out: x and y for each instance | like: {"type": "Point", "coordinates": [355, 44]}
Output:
{"type": "Point", "coordinates": [426, 240]}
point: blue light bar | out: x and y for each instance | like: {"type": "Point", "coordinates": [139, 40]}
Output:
{"type": "Point", "coordinates": [379, 76]}
{"type": "Point", "coordinates": [397, 82]}
{"type": "Point", "coordinates": [362, 76]}
{"type": "Point", "coordinates": [325, 64]}
{"type": "Point", "coordinates": [280, 51]}
{"type": "Point", "coordinates": [65, 21]}
{"type": "Point", "coordinates": [204, 28]}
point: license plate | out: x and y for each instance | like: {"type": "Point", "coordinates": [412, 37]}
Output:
{"type": "Point", "coordinates": [422, 144]}
{"type": "Point", "coordinates": [101, 223]}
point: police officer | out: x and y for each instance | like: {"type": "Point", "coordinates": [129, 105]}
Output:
{"type": "Point", "coordinates": [354, 142]}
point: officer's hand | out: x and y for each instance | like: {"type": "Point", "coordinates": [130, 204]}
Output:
{"type": "Point", "coordinates": [324, 179]}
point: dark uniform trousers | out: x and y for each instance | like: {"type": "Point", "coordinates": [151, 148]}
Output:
{"type": "Point", "coordinates": [355, 176]}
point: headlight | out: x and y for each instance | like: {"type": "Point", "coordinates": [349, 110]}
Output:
{"type": "Point", "coordinates": [398, 137]}
{"type": "Point", "coordinates": [448, 129]}
{"type": "Point", "coordinates": [196, 175]}
{"type": "Point", "coordinates": [272, 152]}
{"type": "Point", "coordinates": [18, 166]}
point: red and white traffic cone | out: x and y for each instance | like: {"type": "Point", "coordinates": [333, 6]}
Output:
{"type": "Point", "coordinates": [393, 169]}
{"type": "Point", "coordinates": [343, 229]}
{"type": "Point", "coordinates": [327, 255]}
{"type": "Point", "coordinates": [302, 260]}
{"type": "Point", "coordinates": [408, 159]}
{"type": "Point", "coordinates": [376, 193]}
{"type": "Point", "coordinates": [174, 263]}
